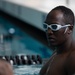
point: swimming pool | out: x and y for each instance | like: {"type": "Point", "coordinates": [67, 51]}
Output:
{"type": "Point", "coordinates": [27, 70]}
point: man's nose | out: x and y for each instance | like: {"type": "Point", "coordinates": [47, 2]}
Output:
{"type": "Point", "coordinates": [49, 31]}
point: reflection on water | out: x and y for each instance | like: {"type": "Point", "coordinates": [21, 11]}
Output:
{"type": "Point", "coordinates": [27, 70]}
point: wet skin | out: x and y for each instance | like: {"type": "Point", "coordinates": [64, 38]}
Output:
{"type": "Point", "coordinates": [63, 63]}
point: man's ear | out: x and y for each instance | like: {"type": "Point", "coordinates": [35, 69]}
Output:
{"type": "Point", "coordinates": [70, 29]}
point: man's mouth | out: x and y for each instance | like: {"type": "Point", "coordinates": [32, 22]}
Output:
{"type": "Point", "coordinates": [51, 39]}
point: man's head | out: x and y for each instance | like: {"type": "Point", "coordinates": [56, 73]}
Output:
{"type": "Point", "coordinates": [5, 68]}
{"type": "Point", "coordinates": [63, 18]}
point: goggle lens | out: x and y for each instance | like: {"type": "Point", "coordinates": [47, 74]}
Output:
{"type": "Point", "coordinates": [53, 27]}
{"type": "Point", "coordinates": [45, 26]}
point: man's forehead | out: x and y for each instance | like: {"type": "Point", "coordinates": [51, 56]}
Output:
{"type": "Point", "coordinates": [55, 13]}
{"type": "Point", "coordinates": [55, 16]}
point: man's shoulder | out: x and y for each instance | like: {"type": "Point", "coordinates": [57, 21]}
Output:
{"type": "Point", "coordinates": [71, 55]}
{"type": "Point", "coordinates": [70, 63]}
{"type": "Point", "coordinates": [71, 58]}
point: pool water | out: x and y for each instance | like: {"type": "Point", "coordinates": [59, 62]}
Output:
{"type": "Point", "coordinates": [27, 70]}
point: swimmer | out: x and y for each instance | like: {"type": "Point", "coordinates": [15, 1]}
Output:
{"type": "Point", "coordinates": [59, 26]}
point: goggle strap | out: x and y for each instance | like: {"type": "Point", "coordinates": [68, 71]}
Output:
{"type": "Point", "coordinates": [65, 30]}
{"type": "Point", "coordinates": [66, 25]}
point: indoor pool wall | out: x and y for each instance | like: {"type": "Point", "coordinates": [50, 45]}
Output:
{"type": "Point", "coordinates": [21, 42]}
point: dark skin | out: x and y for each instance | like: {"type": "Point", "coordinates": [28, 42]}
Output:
{"type": "Point", "coordinates": [5, 68]}
{"type": "Point", "coordinates": [63, 62]}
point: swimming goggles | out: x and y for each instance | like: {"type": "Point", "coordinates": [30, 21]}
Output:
{"type": "Point", "coordinates": [54, 27]}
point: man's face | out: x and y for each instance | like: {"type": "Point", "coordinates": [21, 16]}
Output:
{"type": "Point", "coordinates": [58, 37]}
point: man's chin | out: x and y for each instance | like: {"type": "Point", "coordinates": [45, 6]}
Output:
{"type": "Point", "coordinates": [53, 44]}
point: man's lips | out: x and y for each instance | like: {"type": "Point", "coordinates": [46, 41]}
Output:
{"type": "Point", "coordinates": [51, 39]}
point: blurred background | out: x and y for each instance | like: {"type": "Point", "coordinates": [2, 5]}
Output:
{"type": "Point", "coordinates": [22, 35]}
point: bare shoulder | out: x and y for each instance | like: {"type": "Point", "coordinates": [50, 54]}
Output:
{"type": "Point", "coordinates": [72, 56]}
{"type": "Point", "coordinates": [45, 66]}
{"type": "Point", "coordinates": [70, 64]}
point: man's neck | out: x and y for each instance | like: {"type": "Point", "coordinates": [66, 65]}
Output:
{"type": "Point", "coordinates": [65, 47]}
